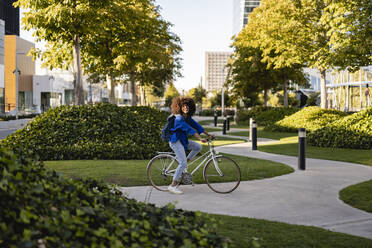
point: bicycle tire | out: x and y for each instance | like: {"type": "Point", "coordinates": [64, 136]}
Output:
{"type": "Point", "coordinates": [227, 179]}
{"type": "Point", "coordinates": [157, 175]}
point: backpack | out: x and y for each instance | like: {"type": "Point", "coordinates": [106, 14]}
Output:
{"type": "Point", "coordinates": [166, 131]}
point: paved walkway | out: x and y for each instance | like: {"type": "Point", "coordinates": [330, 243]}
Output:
{"type": "Point", "coordinates": [307, 197]}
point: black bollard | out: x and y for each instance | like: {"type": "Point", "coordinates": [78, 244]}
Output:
{"type": "Point", "coordinates": [224, 127]}
{"type": "Point", "coordinates": [228, 123]}
{"type": "Point", "coordinates": [215, 120]}
{"type": "Point", "coordinates": [254, 135]}
{"type": "Point", "coordinates": [301, 148]}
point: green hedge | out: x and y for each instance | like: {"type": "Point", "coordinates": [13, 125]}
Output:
{"type": "Point", "coordinates": [311, 118]}
{"type": "Point", "coordinates": [353, 131]}
{"type": "Point", "coordinates": [39, 208]}
{"type": "Point", "coordinates": [265, 116]}
{"type": "Point", "coordinates": [102, 131]}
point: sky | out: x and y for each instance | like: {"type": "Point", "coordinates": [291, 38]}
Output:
{"type": "Point", "coordinates": [202, 25]}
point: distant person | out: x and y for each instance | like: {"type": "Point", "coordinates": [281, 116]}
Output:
{"type": "Point", "coordinates": [368, 99]}
{"type": "Point", "coordinates": [183, 108]}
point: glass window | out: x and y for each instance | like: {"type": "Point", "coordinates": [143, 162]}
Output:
{"type": "Point", "coordinates": [25, 100]}
{"type": "Point", "coordinates": [69, 97]}
{"type": "Point", "coordinates": [2, 100]}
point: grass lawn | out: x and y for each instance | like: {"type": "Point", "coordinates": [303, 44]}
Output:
{"type": "Point", "coordinates": [264, 134]}
{"type": "Point", "coordinates": [133, 172]}
{"type": "Point", "coordinates": [358, 195]}
{"type": "Point", "coordinates": [289, 146]}
{"type": "Point", "coordinates": [269, 234]}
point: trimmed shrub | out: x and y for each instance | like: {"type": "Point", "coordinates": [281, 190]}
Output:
{"type": "Point", "coordinates": [265, 116]}
{"type": "Point", "coordinates": [39, 208]}
{"type": "Point", "coordinates": [13, 117]}
{"type": "Point", "coordinates": [102, 131]}
{"type": "Point", "coordinates": [311, 118]}
{"type": "Point", "coordinates": [353, 131]}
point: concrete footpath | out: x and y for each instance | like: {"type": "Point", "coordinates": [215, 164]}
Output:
{"type": "Point", "coordinates": [307, 197]}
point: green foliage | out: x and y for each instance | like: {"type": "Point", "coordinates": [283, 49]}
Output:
{"type": "Point", "coordinates": [311, 118]}
{"type": "Point", "coordinates": [38, 208]}
{"type": "Point", "coordinates": [198, 94]}
{"type": "Point", "coordinates": [250, 75]}
{"type": "Point", "coordinates": [13, 117]}
{"type": "Point", "coordinates": [353, 131]}
{"type": "Point", "coordinates": [265, 116]}
{"type": "Point", "coordinates": [170, 93]}
{"type": "Point", "coordinates": [277, 99]}
{"type": "Point", "coordinates": [312, 100]}
{"type": "Point", "coordinates": [102, 131]}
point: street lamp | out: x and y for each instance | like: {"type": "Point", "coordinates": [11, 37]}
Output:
{"type": "Point", "coordinates": [17, 73]}
{"type": "Point", "coordinates": [223, 91]}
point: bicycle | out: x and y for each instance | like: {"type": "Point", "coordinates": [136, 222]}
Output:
{"type": "Point", "coordinates": [221, 173]}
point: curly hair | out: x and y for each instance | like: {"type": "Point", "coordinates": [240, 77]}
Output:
{"type": "Point", "coordinates": [178, 102]}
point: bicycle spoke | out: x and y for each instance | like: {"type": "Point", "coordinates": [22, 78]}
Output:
{"type": "Point", "coordinates": [160, 171]}
{"type": "Point", "coordinates": [222, 174]}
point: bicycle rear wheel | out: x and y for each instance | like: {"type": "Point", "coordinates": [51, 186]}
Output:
{"type": "Point", "coordinates": [160, 171]}
{"type": "Point", "coordinates": [222, 174]}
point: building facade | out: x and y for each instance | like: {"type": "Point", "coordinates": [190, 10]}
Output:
{"type": "Point", "coordinates": [15, 57]}
{"type": "Point", "coordinates": [11, 16]}
{"type": "Point", "coordinates": [215, 70]}
{"type": "Point", "coordinates": [2, 65]}
{"type": "Point", "coordinates": [241, 11]}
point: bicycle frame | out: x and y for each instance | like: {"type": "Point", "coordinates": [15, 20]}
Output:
{"type": "Point", "coordinates": [207, 157]}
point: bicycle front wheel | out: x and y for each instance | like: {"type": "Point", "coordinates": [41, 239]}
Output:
{"type": "Point", "coordinates": [222, 174]}
{"type": "Point", "coordinates": [160, 171]}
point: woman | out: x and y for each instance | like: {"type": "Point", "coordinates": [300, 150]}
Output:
{"type": "Point", "coordinates": [183, 108]}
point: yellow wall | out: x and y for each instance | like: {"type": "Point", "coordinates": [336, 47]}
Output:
{"type": "Point", "coordinates": [14, 44]}
{"type": "Point", "coordinates": [10, 79]}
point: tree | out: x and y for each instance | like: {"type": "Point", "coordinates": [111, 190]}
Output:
{"type": "Point", "coordinates": [169, 94]}
{"type": "Point", "coordinates": [250, 75]}
{"type": "Point", "coordinates": [154, 60]}
{"type": "Point", "coordinates": [292, 32]}
{"type": "Point", "coordinates": [198, 93]}
{"type": "Point", "coordinates": [64, 22]}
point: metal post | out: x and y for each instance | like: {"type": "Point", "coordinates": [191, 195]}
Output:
{"type": "Point", "coordinates": [223, 101]}
{"type": "Point", "coordinates": [301, 148]}
{"type": "Point", "coordinates": [215, 118]}
{"type": "Point", "coordinates": [228, 123]}
{"type": "Point", "coordinates": [16, 72]}
{"type": "Point", "coordinates": [223, 92]}
{"type": "Point", "coordinates": [250, 128]}
{"type": "Point", "coordinates": [254, 135]}
{"type": "Point", "coordinates": [224, 126]}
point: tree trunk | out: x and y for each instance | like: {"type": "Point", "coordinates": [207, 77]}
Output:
{"type": "Point", "coordinates": [285, 93]}
{"type": "Point", "coordinates": [133, 91]}
{"type": "Point", "coordinates": [111, 86]}
{"type": "Point", "coordinates": [323, 90]}
{"type": "Point", "coordinates": [78, 89]}
{"type": "Point", "coordinates": [265, 97]}
{"type": "Point", "coordinates": [143, 98]}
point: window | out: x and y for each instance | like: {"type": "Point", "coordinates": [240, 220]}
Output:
{"type": "Point", "coordinates": [24, 100]}
{"type": "Point", "coordinates": [2, 100]}
{"type": "Point", "coordinates": [69, 97]}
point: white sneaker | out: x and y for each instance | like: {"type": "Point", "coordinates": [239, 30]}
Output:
{"type": "Point", "coordinates": [174, 190]}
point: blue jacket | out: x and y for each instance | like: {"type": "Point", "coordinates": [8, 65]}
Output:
{"type": "Point", "coordinates": [182, 129]}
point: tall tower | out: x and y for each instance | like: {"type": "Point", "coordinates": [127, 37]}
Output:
{"type": "Point", "coordinates": [11, 17]}
{"type": "Point", "coordinates": [215, 72]}
{"type": "Point", "coordinates": [241, 11]}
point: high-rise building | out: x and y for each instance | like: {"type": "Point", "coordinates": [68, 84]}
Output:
{"type": "Point", "coordinates": [215, 70]}
{"type": "Point", "coordinates": [10, 15]}
{"type": "Point", "coordinates": [241, 11]}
